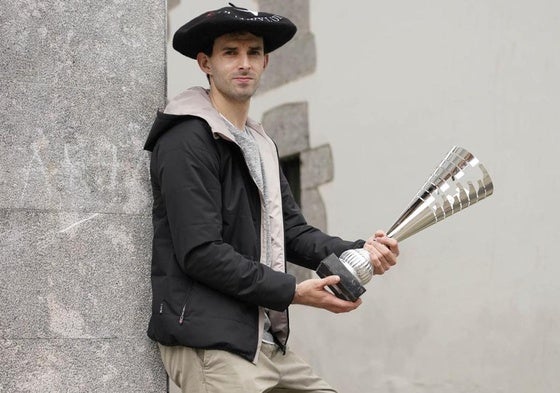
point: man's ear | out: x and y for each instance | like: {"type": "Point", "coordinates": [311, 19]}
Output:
{"type": "Point", "coordinates": [265, 61]}
{"type": "Point", "coordinates": [204, 63]}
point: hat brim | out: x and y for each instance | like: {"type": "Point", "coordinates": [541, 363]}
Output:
{"type": "Point", "coordinates": [199, 34]}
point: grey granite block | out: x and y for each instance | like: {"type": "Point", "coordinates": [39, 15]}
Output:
{"type": "Point", "coordinates": [288, 126]}
{"type": "Point", "coordinates": [64, 164]}
{"type": "Point", "coordinates": [297, 11]}
{"type": "Point", "coordinates": [316, 167]}
{"type": "Point", "coordinates": [313, 208]}
{"type": "Point", "coordinates": [81, 82]}
{"type": "Point", "coordinates": [74, 275]}
{"type": "Point", "coordinates": [81, 365]}
{"type": "Point", "coordinates": [81, 85]}
{"type": "Point", "coordinates": [293, 61]}
{"type": "Point", "coordinates": [298, 57]}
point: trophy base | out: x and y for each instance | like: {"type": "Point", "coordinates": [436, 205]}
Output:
{"type": "Point", "coordinates": [349, 288]}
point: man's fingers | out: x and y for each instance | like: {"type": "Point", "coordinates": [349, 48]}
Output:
{"type": "Point", "coordinates": [380, 233]}
{"type": "Point", "coordinates": [390, 243]}
{"type": "Point", "coordinates": [382, 248]}
{"type": "Point", "coordinates": [337, 305]}
{"type": "Point", "coordinates": [381, 237]}
{"type": "Point", "coordinates": [330, 280]}
{"type": "Point", "coordinates": [375, 259]}
{"type": "Point", "coordinates": [331, 302]}
{"type": "Point", "coordinates": [380, 257]}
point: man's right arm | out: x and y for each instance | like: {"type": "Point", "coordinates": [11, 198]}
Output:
{"type": "Point", "coordinates": [313, 293]}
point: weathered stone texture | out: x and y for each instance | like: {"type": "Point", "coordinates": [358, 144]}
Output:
{"type": "Point", "coordinates": [288, 126]}
{"type": "Point", "coordinates": [81, 82]}
{"type": "Point", "coordinates": [316, 167]}
{"type": "Point", "coordinates": [74, 275]}
{"type": "Point", "coordinates": [296, 10]}
{"type": "Point", "coordinates": [79, 365]}
{"type": "Point", "coordinates": [313, 208]}
{"type": "Point", "coordinates": [298, 57]}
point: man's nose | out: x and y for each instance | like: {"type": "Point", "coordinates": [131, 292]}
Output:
{"type": "Point", "coordinates": [244, 61]}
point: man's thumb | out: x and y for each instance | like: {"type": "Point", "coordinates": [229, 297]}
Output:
{"type": "Point", "coordinates": [330, 280]}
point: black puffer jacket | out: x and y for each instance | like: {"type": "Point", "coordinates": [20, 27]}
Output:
{"type": "Point", "coordinates": [207, 282]}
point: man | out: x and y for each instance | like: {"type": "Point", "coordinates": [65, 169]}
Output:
{"type": "Point", "coordinates": [225, 222]}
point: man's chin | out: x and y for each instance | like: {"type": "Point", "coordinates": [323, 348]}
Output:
{"type": "Point", "coordinates": [243, 98]}
{"type": "Point", "coordinates": [245, 94]}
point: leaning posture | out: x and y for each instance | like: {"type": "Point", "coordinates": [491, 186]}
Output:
{"type": "Point", "coordinates": [225, 222]}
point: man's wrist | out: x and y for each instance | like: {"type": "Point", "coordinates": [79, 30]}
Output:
{"type": "Point", "coordinates": [295, 298]}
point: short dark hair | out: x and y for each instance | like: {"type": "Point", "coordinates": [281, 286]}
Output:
{"type": "Point", "coordinates": [209, 49]}
{"type": "Point", "coordinates": [208, 52]}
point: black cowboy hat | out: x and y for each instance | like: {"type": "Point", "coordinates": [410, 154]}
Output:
{"type": "Point", "coordinates": [198, 35]}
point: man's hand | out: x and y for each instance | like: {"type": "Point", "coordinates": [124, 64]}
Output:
{"type": "Point", "coordinates": [312, 292]}
{"type": "Point", "coordinates": [383, 252]}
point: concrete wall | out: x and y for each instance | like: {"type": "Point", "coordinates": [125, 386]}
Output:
{"type": "Point", "coordinates": [80, 81]}
{"type": "Point", "coordinates": [473, 304]}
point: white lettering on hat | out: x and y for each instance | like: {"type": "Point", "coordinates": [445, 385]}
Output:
{"type": "Point", "coordinates": [255, 13]}
{"type": "Point", "coordinates": [255, 17]}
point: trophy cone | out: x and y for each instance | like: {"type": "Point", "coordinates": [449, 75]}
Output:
{"type": "Point", "coordinates": [459, 181]}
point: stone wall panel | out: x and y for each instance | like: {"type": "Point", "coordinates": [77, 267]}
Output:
{"type": "Point", "coordinates": [316, 167]}
{"type": "Point", "coordinates": [78, 365]}
{"type": "Point", "coordinates": [81, 82]}
{"type": "Point", "coordinates": [74, 275]}
{"type": "Point", "coordinates": [73, 123]}
{"type": "Point", "coordinates": [298, 57]}
{"type": "Point", "coordinates": [288, 126]}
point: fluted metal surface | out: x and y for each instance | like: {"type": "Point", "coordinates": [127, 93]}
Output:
{"type": "Point", "coordinates": [357, 261]}
{"type": "Point", "coordinates": [459, 181]}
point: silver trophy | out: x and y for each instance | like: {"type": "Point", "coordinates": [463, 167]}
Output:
{"type": "Point", "coordinates": [458, 182]}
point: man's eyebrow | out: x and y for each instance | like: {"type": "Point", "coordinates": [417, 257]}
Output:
{"type": "Point", "coordinates": [230, 48]}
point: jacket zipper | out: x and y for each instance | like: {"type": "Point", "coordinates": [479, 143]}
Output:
{"type": "Point", "coordinates": [182, 317]}
{"type": "Point", "coordinates": [185, 304]}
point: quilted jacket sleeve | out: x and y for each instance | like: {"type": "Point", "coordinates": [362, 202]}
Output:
{"type": "Point", "coordinates": [306, 245]}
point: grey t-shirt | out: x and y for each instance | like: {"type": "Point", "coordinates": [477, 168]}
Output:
{"type": "Point", "coordinates": [248, 144]}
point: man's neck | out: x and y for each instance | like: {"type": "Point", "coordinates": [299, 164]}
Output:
{"type": "Point", "coordinates": [236, 112]}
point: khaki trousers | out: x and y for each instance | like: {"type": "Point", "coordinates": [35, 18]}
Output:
{"type": "Point", "coordinates": [217, 371]}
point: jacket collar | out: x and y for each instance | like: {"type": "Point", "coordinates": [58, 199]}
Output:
{"type": "Point", "coordinates": [196, 102]}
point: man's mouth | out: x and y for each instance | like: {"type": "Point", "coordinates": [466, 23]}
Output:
{"type": "Point", "coordinates": [243, 79]}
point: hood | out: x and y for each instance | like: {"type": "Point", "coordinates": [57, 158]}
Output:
{"type": "Point", "coordinates": [192, 103]}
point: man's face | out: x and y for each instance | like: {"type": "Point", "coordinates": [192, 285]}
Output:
{"type": "Point", "coordinates": [236, 65]}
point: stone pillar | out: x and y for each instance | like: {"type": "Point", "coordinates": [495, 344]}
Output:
{"type": "Point", "coordinates": [81, 81]}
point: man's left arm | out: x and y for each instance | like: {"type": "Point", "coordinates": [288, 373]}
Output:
{"type": "Point", "coordinates": [306, 245]}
